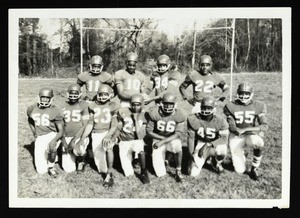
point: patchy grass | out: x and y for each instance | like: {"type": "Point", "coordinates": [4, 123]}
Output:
{"type": "Point", "coordinates": [208, 185]}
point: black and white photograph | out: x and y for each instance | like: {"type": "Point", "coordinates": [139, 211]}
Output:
{"type": "Point", "coordinates": [150, 108]}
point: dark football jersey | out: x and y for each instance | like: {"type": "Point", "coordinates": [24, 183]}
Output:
{"type": "Point", "coordinates": [245, 115]}
{"type": "Point", "coordinates": [103, 114]}
{"type": "Point", "coordinates": [206, 131]}
{"type": "Point", "coordinates": [164, 125]}
{"type": "Point", "coordinates": [161, 81]}
{"type": "Point", "coordinates": [74, 114]}
{"type": "Point", "coordinates": [92, 82]}
{"type": "Point", "coordinates": [203, 85]}
{"type": "Point", "coordinates": [127, 127]}
{"type": "Point", "coordinates": [44, 119]}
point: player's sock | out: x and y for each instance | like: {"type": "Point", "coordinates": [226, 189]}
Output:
{"type": "Point", "coordinates": [257, 156]}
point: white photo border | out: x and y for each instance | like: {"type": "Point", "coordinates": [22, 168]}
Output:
{"type": "Point", "coordinates": [284, 13]}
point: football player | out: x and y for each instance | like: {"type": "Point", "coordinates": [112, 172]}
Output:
{"type": "Point", "coordinates": [247, 124]}
{"type": "Point", "coordinates": [131, 126]}
{"type": "Point", "coordinates": [207, 137]}
{"type": "Point", "coordinates": [76, 116]}
{"type": "Point", "coordinates": [165, 126]}
{"type": "Point", "coordinates": [130, 81]}
{"type": "Point", "coordinates": [94, 78]}
{"type": "Point", "coordinates": [102, 127]}
{"type": "Point", "coordinates": [163, 79]}
{"type": "Point", "coordinates": [204, 82]}
{"type": "Point", "coordinates": [46, 123]}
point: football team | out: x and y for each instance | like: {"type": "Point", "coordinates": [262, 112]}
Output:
{"type": "Point", "coordinates": [214, 127]}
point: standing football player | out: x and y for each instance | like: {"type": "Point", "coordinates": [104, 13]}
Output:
{"type": "Point", "coordinates": [131, 127]}
{"type": "Point", "coordinates": [94, 78]}
{"type": "Point", "coordinates": [130, 81]}
{"type": "Point", "coordinates": [247, 124]}
{"type": "Point", "coordinates": [165, 126]}
{"type": "Point", "coordinates": [46, 123]}
{"type": "Point", "coordinates": [102, 127]}
{"type": "Point", "coordinates": [207, 137]}
{"type": "Point", "coordinates": [204, 82]}
{"type": "Point", "coordinates": [76, 116]}
{"type": "Point", "coordinates": [163, 79]}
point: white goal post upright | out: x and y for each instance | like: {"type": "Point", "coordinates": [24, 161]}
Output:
{"type": "Point", "coordinates": [194, 44]}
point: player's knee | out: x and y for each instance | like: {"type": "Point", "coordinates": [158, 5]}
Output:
{"type": "Point", "coordinates": [176, 146]}
{"type": "Point", "coordinates": [255, 141]}
{"type": "Point", "coordinates": [194, 172]}
{"type": "Point", "coordinates": [221, 149]}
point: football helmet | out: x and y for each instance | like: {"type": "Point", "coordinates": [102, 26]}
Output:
{"type": "Point", "coordinates": [245, 92]}
{"type": "Point", "coordinates": [168, 103]}
{"type": "Point", "coordinates": [96, 65]}
{"type": "Point", "coordinates": [208, 106]}
{"type": "Point", "coordinates": [104, 93]}
{"type": "Point", "coordinates": [136, 103]}
{"type": "Point", "coordinates": [74, 92]}
{"type": "Point", "coordinates": [45, 97]}
{"type": "Point", "coordinates": [163, 63]}
{"type": "Point", "coordinates": [131, 56]}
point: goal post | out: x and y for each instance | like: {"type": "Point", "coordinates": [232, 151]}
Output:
{"type": "Point", "coordinates": [232, 27]}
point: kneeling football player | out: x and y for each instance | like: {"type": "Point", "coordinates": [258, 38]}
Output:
{"type": "Point", "coordinates": [131, 127]}
{"type": "Point", "coordinates": [165, 126]}
{"type": "Point", "coordinates": [207, 137]}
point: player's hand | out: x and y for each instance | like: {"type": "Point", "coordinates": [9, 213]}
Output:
{"type": "Point", "coordinates": [71, 145]}
{"type": "Point", "coordinates": [156, 145]}
{"type": "Point", "coordinates": [240, 131]}
{"type": "Point", "coordinates": [107, 143]}
{"type": "Point", "coordinates": [191, 101]}
{"type": "Point", "coordinates": [146, 97]}
{"type": "Point", "coordinates": [64, 146]}
{"type": "Point", "coordinates": [77, 146]}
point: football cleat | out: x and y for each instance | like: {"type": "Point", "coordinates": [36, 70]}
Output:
{"type": "Point", "coordinates": [52, 172]}
{"type": "Point", "coordinates": [109, 180]}
{"type": "Point", "coordinates": [178, 176]}
{"type": "Point", "coordinates": [253, 174]}
{"type": "Point", "coordinates": [145, 178]}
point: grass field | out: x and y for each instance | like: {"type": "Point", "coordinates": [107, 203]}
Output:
{"type": "Point", "coordinates": [208, 185]}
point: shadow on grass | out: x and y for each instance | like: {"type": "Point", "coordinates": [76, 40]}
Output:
{"type": "Point", "coordinates": [30, 149]}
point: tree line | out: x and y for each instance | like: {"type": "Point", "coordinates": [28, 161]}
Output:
{"type": "Point", "coordinates": [258, 45]}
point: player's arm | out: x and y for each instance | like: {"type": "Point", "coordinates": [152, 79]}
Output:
{"type": "Point", "coordinates": [183, 86]}
{"type": "Point", "coordinates": [60, 132]}
{"type": "Point", "coordinates": [231, 121]}
{"type": "Point", "coordinates": [190, 139]}
{"type": "Point", "coordinates": [139, 130]}
{"type": "Point", "coordinates": [176, 135]}
{"type": "Point", "coordinates": [150, 129]}
{"type": "Point", "coordinates": [32, 126]}
{"type": "Point", "coordinates": [123, 95]}
{"type": "Point", "coordinates": [225, 91]}
{"type": "Point", "coordinates": [79, 82]}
